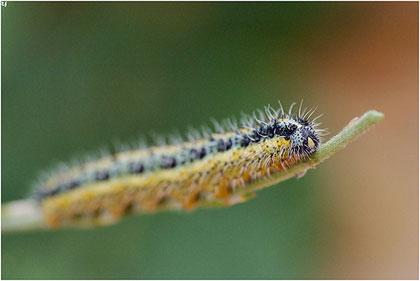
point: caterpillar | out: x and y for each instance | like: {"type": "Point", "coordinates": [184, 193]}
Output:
{"type": "Point", "coordinates": [207, 168]}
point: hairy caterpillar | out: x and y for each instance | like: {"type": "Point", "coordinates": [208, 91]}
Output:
{"type": "Point", "coordinates": [208, 168]}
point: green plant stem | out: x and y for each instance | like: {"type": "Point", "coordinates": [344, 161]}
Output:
{"type": "Point", "coordinates": [24, 215]}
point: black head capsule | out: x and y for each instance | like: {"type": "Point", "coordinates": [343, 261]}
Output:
{"type": "Point", "coordinates": [305, 140]}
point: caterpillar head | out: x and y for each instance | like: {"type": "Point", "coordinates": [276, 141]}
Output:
{"type": "Point", "coordinates": [304, 140]}
{"type": "Point", "coordinates": [302, 132]}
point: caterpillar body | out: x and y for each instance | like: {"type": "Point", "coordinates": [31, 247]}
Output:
{"type": "Point", "coordinates": [208, 168]}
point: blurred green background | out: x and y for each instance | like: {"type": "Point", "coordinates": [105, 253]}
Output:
{"type": "Point", "coordinates": [77, 77]}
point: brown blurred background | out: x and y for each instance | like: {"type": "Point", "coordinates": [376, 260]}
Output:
{"type": "Point", "coordinates": [375, 191]}
{"type": "Point", "coordinates": [76, 76]}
